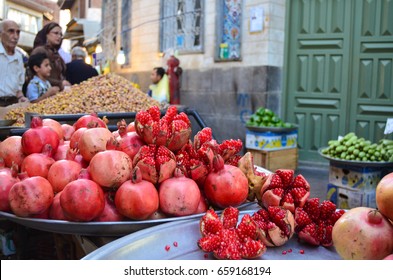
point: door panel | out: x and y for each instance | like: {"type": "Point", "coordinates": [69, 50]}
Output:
{"type": "Point", "coordinates": [338, 70]}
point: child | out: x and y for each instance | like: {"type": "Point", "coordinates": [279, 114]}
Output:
{"type": "Point", "coordinates": [39, 87]}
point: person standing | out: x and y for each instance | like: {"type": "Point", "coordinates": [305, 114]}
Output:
{"type": "Point", "coordinates": [12, 70]}
{"type": "Point", "coordinates": [159, 90]}
{"type": "Point", "coordinates": [48, 40]}
{"type": "Point", "coordinates": [78, 70]}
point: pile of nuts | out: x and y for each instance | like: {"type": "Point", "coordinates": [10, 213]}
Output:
{"type": "Point", "coordinates": [104, 93]}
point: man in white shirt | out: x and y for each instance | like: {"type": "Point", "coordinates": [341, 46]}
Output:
{"type": "Point", "coordinates": [12, 70]}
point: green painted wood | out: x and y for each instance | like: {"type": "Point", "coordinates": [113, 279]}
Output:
{"type": "Point", "coordinates": [338, 73]}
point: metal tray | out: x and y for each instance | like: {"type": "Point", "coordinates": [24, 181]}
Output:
{"type": "Point", "coordinates": [272, 129]}
{"type": "Point", "coordinates": [98, 228]}
{"type": "Point", "coordinates": [356, 162]}
{"type": "Point", "coordinates": [151, 243]}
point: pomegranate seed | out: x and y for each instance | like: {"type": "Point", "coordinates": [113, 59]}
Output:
{"type": "Point", "coordinates": [175, 244]}
{"type": "Point", "coordinates": [205, 256]}
{"type": "Point", "coordinates": [167, 247]}
{"type": "Point", "coordinates": [289, 250]}
{"type": "Point", "coordinates": [301, 252]}
{"type": "Point", "coordinates": [284, 252]}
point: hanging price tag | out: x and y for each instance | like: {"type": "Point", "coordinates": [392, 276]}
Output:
{"type": "Point", "coordinates": [389, 126]}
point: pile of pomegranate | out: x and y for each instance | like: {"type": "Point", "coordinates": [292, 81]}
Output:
{"type": "Point", "coordinates": [153, 168]}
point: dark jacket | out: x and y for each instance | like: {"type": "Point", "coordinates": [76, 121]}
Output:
{"type": "Point", "coordinates": [79, 71]}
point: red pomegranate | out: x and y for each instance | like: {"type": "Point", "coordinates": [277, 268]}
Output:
{"type": "Point", "coordinates": [68, 130]}
{"type": "Point", "coordinates": [7, 180]}
{"type": "Point", "coordinates": [137, 199]}
{"type": "Point", "coordinates": [55, 126]}
{"type": "Point", "coordinates": [226, 185]}
{"type": "Point", "coordinates": [37, 136]}
{"type": "Point", "coordinates": [55, 210]}
{"type": "Point", "coordinates": [110, 168]}
{"type": "Point", "coordinates": [11, 151]}
{"type": "Point", "coordinates": [384, 196]}
{"type": "Point", "coordinates": [31, 196]}
{"type": "Point", "coordinates": [363, 233]}
{"type": "Point", "coordinates": [92, 141]}
{"type": "Point", "coordinates": [179, 195]}
{"type": "Point", "coordinates": [62, 151]}
{"type": "Point", "coordinates": [128, 142]}
{"type": "Point", "coordinates": [63, 172]}
{"type": "Point", "coordinates": [110, 212]}
{"type": "Point", "coordinates": [38, 164]}
{"type": "Point", "coordinates": [76, 136]}
{"type": "Point", "coordinates": [91, 120]}
{"type": "Point", "coordinates": [82, 200]}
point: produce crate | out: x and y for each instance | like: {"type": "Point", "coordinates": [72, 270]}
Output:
{"type": "Point", "coordinates": [272, 160]}
{"type": "Point", "coordinates": [271, 140]}
{"type": "Point", "coordinates": [347, 198]}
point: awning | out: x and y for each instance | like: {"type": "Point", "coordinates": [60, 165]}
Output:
{"type": "Point", "coordinates": [78, 29]}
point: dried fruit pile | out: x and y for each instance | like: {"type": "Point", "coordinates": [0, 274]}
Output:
{"type": "Point", "coordinates": [104, 93]}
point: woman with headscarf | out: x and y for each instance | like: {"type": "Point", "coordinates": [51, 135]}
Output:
{"type": "Point", "coordinates": [48, 40]}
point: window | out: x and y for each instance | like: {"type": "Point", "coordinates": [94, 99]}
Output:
{"type": "Point", "coordinates": [181, 25]}
{"type": "Point", "coordinates": [28, 23]}
{"type": "Point", "coordinates": [125, 31]}
{"type": "Point", "coordinates": [229, 19]}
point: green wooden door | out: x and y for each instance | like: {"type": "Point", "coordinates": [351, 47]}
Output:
{"type": "Point", "coordinates": [338, 70]}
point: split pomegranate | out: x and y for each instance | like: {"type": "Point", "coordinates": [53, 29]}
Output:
{"type": "Point", "coordinates": [226, 185]}
{"type": "Point", "coordinates": [31, 196]}
{"type": "Point", "coordinates": [137, 199]}
{"type": "Point", "coordinates": [179, 195]}
{"type": "Point", "coordinates": [11, 151]}
{"type": "Point", "coordinates": [314, 222]}
{"type": "Point", "coordinates": [82, 200]}
{"type": "Point", "coordinates": [37, 136]}
{"type": "Point", "coordinates": [173, 130]}
{"type": "Point", "coordinates": [277, 225]}
{"type": "Point", "coordinates": [91, 120]}
{"type": "Point", "coordinates": [384, 196]}
{"type": "Point", "coordinates": [38, 164]}
{"type": "Point", "coordinates": [157, 163]}
{"type": "Point", "coordinates": [281, 188]}
{"type": "Point", "coordinates": [7, 180]}
{"type": "Point", "coordinates": [363, 233]}
{"type": "Point", "coordinates": [226, 239]}
{"type": "Point", "coordinates": [92, 141]}
{"type": "Point", "coordinates": [110, 168]}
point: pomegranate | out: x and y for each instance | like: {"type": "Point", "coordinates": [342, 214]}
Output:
{"type": "Point", "coordinates": [173, 130]}
{"type": "Point", "coordinates": [314, 222]}
{"type": "Point", "coordinates": [11, 151]}
{"type": "Point", "coordinates": [63, 172]}
{"type": "Point", "coordinates": [31, 196]}
{"type": "Point", "coordinates": [384, 196]}
{"type": "Point", "coordinates": [68, 130]}
{"type": "Point", "coordinates": [226, 239]}
{"type": "Point", "coordinates": [7, 180]}
{"type": "Point", "coordinates": [62, 151]}
{"type": "Point", "coordinates": [55, 210]}
{"type": "Point", "coordinates": [388, 257]}
{"type": "Point", "coordinates": [91, 120]}
{"type": "Point", "coordinates": [131, 127]}
{"type": "Point", "coordinates": [137, 199]}
{"type": "Point", "coordinates": [55, 126]}
{"type": "Point", "coordinates": [363, 233]}
{"type": "Point", "coordinates": [226, 185]}
{"type": "Point", "coordinates": [157, 163]}
{"type": "Point", "coordinates": [110, 212]}
{"type": "Point", "coordinates": [281, 188]}
{"type": "Point", "coordinates": [37, 136]}
{"type": "Point", "coordinates": [76, 136]}
{"type": "Point", "coordinates": [110, 168]}
{"type": "Point", "coordinates": [92, 141]}
{"type": "Point", "coordinates": [277, 225]}
{"type": "Point", "coordinates": [82, 200]}
{"type": "Point", "coordinates": [128, 142]}
{"type": "Point", "coordinates": [38, 164]}
{"type": "Point", "coordinates": [179, 195]}
{"type": "Point", "coordinates": [203, 205]}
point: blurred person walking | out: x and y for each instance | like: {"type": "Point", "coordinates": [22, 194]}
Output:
{"type": "Point", "coordinates": [78, 70]}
